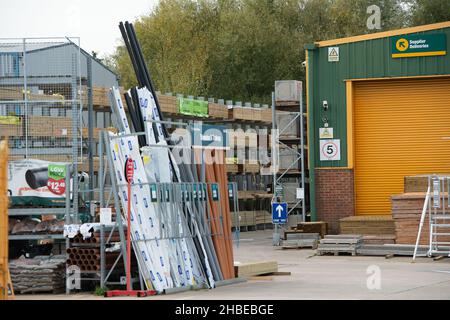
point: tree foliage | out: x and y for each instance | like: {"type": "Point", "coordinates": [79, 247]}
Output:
{"type": "Point", "coordinates": [236, 49]}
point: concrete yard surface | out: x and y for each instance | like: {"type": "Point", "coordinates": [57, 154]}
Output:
{"type": "Point", "coordinates": [319, 277]}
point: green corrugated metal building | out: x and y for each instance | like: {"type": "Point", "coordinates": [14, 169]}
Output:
{"type": "Point", "coordinates": [362, 87]}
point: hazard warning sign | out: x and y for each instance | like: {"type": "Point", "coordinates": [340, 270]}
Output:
{"type": "Point", "coordinates": [333, 54]}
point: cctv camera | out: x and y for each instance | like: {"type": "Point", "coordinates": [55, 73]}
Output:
{"type": "Point", "coordinates": [304, 64]}
{"type": "Point", "coordinates": [325, 105]}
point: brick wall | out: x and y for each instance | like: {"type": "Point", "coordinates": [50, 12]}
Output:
{"type": "Point", "coordinates": [334, 196]}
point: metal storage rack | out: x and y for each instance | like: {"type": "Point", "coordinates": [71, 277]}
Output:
{"type": "Point", "coordinates": [288, 139]}
{"type": "Point", "coordinates": [243, 180]}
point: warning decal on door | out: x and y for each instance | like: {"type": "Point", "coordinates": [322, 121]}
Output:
{"type": "Point", "coordinates": [330, 150]}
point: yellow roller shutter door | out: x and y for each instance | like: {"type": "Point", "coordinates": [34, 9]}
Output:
{"type": "Point", "coordinates": [399, 130]}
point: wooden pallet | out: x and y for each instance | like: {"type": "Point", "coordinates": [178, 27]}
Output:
{"type": "Point", "coordinates": [299, 244]}
{"type": "Point", "coordinates": [336, 244]}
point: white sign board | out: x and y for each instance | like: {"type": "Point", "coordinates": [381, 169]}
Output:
{"type": "Point", "coordinates": [325, 133]}
{"type": "Point", "coordinates": [330, 150]}
{"type": "Point", "coordinates": [333, 54]}
{"type": "Point", "coordinates": [105, 216]}
{"type": "Point", "coordinates": [300, 193]}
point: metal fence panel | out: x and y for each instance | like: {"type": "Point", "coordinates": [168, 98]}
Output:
{"type": "Point", "coordinates": [40, 98]}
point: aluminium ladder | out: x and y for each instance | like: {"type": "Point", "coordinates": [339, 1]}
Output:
{"type": "Point", "coordinates": [437, 204]}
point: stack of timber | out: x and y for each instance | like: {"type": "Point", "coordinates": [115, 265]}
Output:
{"type": "Point", "coordinates": [250, 114]}
{"type": "Point", "coordinates": [218, 111]}
{"type": "Point", "coordinates": [40, 274]}
{"type": "Point", "coordinates": [251, 167]}
{"type": "Point", "coordinates": [390, 250]}
{"type": "Point", "coordinates": [17, 93]}
{"type": "Point", "coordinates": [252, 269]}
{"type": "Point", "coordinates": [4, 228]}
{"type": "Point", "coordinates": [251, 220]}
{"type": "Point", "coordinates": [298, 240]}
{"type": "Point", "coordinates": [168, 104]}
{"type": "Point", "coordinates": [417, 183]}
{"type": "Point", "coordinates": [376, 229]}
{"type": "Point", "coordinates": [47, 126]}
{"type": "Point", "coordinates": [406, 211]}
{"type": "Point", "coordinates": [335, 244]}
{"type": "Point", "coordinates": [266, 115]}
{"type": "Point", "coordinates": [319, 227]}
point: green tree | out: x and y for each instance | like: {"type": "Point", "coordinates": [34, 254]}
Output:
{"type": "Point", "coordinates": [236, 49]}
{"type": "Point", "coordinates": [429, 11]}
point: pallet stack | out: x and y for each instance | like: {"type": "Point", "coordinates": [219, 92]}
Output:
{"type": "Point", "coordinates": [297, 240]}
{"type": "Point", "coordinates": [40, 274]}
{"type": "Point", "coordinates": [336, 244]}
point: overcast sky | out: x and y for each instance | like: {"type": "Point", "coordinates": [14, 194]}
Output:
{"type": "Point", "coordinates": [94, 21]}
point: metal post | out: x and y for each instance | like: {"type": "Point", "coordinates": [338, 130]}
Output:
{"type": "Point", "coordinates": [90, 129]}
{"type": "Point", "coordinates": [103, 135]}
{"type": "Point", "coordinates": [25, 95]}
{"type": "Point", "coordinates": [100, 171]}
{"type": "Point", "coordinates": [275, 236]}
{"type": "Point", "coordinates": [302, 146]}
{"type": "Point", "coordinates": [75, 139]}
{"type": "Point", "coordinates": [102, 256]}
{"type": "Point", "coordinates": [67, 211]}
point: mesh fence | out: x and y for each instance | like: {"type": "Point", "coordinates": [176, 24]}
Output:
{"type": "Point", "coordinates": [40, 98]}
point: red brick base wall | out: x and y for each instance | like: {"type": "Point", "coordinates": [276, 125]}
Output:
{"type": "Point", "coordinates": [334, 196]}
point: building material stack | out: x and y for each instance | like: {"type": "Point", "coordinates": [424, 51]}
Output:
{"type": "Point", "coordinates": [179, 211]}
{"type": "Point", "coordinates": [251, 269]}
{"type": "Point", "coordinates": [335, 244]}
{"type": "Point", "coordinates": [407, 209]}
{"type": "Point", "coordinates": [297, 240]}
{"type": "Point", "coordinates": [40, 274]}
{"type": "Point", "coordinates": [376, 229]}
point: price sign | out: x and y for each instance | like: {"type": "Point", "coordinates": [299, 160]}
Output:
{"type": "Point", "coordinates": [129, 169]}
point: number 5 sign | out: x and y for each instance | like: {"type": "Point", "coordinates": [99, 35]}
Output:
{"type": "Point", "coordinates": [330, 150]}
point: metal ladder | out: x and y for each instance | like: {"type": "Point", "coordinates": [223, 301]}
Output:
{"type": "Point", "coordinates": [438, 206]}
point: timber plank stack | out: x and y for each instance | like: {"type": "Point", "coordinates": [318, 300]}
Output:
{"type": "Point", "coordinates": [335, 244]}
{"type": "Point", "coordinates": [251, 219]}
{"type": "Point", "coordinates": [297, 240]}
{"type": "Point", "coordinates": [251, 269]}
{"type": "Point", "coordinates": [40, 274]}
{"type": "Point", "coordinates": [319, 227]}
{"type": "Point", "coordinates": [168, 104]}
{"type": "Point", "coordinates": [218, 111]}
{"type": "Point", "coordinates": [368, 225]}
{"type": "Point", "coordinates": [406, 211]}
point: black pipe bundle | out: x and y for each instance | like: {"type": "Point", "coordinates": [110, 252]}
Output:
{"type": "Point", "coordinates": [139, 65]}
